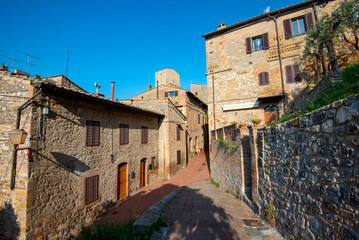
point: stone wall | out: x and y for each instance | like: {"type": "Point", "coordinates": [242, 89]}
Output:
{"type": "Point", "coordinates": [232, 74]}
{"type": "Point", "coordinates": [200, 91]}
{"type": "Point", "coordinates": [14, 91]}
{"type": "Point", "coordinates": [61, 161]}
{"type": "Point", "coordinates": [307, 169]}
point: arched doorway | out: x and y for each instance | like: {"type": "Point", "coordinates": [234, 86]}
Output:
{"type": "Point", "coordinates": [271, 114]}
{"type": "Point", "coordinates": [195, 144]}
{"type": "Point", "coordinates": [143, 173]}
{"type": "Point", "coordinates": [122, 181]}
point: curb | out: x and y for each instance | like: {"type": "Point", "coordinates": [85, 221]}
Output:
{"type": "Point", "coordinates": [152, 213]}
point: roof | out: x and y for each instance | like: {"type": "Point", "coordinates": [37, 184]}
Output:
{"type": "Point", "coordinates": [260, 17]}
{"type": "Point", "coordinates": [86, 96]}
{"type": "Point", "coordinates": [174, 86]}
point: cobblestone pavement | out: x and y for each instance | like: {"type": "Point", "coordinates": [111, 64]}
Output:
{"type": "Point", "coordinates": [196, 171]}
{"type": "Point", "coordinates": [202, 211]}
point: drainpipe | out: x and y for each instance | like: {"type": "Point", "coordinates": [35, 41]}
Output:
{"type": "Point", "coordinates": [214, 110]}
{"type": "Point", "coordinates": [280, 63]}
{"type": "Point", "coordinates": [17, 126]}
{"type": "Point", "coordinates": [157, 89]}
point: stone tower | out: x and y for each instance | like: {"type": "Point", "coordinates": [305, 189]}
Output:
{"type": "Point", "coordinates": [167, 76]}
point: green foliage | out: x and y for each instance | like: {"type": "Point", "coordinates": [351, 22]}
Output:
{"type": "Point", "coordinates": [103, 230]}
{"type": "Point", "coordinates": [257, 141]}
{"type": "Point", "coordinates": [227, 145]}
{"type": "Point", "coordinates": [334, 92]}
{"type": "Point", "coordinates": [270, 214]}
{"type": "Point", "coordinates": [239, 196]}
{"type": "Point", "coordinates": [256, 120]}
{"type": "Point", "coordinates": [227, 191]}
{"type": "Point", "coordinates": [214, 182]}
{"type": "Point", "coordinates": [191, 154]}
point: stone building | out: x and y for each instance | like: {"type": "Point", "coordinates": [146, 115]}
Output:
{"type": "Point", "coordinates": [81, 156]}
{"type": "Point", "coordinates": [193, 108]}
{"type": "Point", "coordinates": [200, 91]}
{"type": "Point", "coordinates": [252, 65]}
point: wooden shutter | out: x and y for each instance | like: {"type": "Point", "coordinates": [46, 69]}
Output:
{"type": "Point", "coordinates": [287, 28]}
{"type": "Point", "coordinates": [178, 133]}
{"type": "Point", "coordinates": [124, 132]}
{"type": "Point", "coordinates": [309, 21]}
{"type": "Point", "coordinates": [296, 72]}
{"type": "Point", "coordinates": [249, 45]}
{"type": "Point", "coordinates": [144, 137]}
{"type": "Point", "coordinates": [96, 133]}
{"type": "Point", "coordinates": [166, 94]}
{"type": "Point", "coordinates": [265, 78]}
{"type": "Point", "coordinates": [178, 157]}
{"type": "Point", "coordinates": [265, 40]}
{"type": "Point", "coordinates": [91, 189]}
{"type": "Point", "coordinates": [199, 119]}
{"type": "Point", "coordinates": [127, 133]}
{"type": "Point", "coordinates": [260, 79]}
{"type": "Point", "coordinates": [176, 93]}
{"type": "Point", "coordinates": [89, 135]}
{"type": "Point", "coordinates": [289, 74]}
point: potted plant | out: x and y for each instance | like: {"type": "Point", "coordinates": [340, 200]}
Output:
{"type": "Point", "coordinates": [256, 121]}
{"type": "Point", "coordinates": [242, 125]}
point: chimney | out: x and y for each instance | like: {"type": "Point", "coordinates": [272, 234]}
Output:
{"type": "Point", "coordinates": [149, 87]}
{"type": "Point", "coordinates": [112, 90]}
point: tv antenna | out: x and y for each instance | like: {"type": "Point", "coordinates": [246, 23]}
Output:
{"type": "Point", "coordinates": [15, 60]}
{"type": "Point", "coordinates": [28, 58]}
{"type": "Point", "coordinates": [67, 64]}
{"type": "Point", "coordinates": [97, 87]}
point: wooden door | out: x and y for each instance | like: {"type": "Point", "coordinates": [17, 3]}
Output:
{"type": "Point", "coordinates": [143, 173]}
{"type": "Point", "coordinates": [271, 114]}
{"type": "Point", "coordinates": [122, 181]}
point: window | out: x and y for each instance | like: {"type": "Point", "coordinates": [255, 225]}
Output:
{"type": "Point", "coordinates": [92, 133]}
{"type": "Point", "coordinates": [257, 43]}
{"type": "Point", "coordinates": [91, 189]}
{"type": "Point", "coordinates": [292, 73]}
{"type": "Point", "coordinates": [178, 133]}
{"type": "Point", "coordinates": [199, 119]}
{"type": "Point", "coordinates": [298, 26]}
{"type": "Point", "coordinates": [178, 157]}
{"type": "Point", "coordinates": [263, 78]}
{"type": "Point", "coordinates": [196, 93]}
{"type": "Point", "coordinates": [124, 134]}
{"type": "Point", "coordinates": [171, 94]}
{"type": "Point", "coordinates": [144, 137]}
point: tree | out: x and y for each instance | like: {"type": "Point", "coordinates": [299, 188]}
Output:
{"type": "Point", "coordinates": [331, 29]}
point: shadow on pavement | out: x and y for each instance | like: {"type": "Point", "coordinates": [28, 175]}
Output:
{"type": "Point", "coordinates": [192, 215]}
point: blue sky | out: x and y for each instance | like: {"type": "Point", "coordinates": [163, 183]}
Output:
{"type": "Point", "coordinates": [121, 41]}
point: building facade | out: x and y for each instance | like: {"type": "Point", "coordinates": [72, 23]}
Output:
{"type": "Point", "coordinates": [83, 154]}
{"type": "Point", "coordinates": [186, 102]}
{"type": "Point", "coordinates": [253, 69]}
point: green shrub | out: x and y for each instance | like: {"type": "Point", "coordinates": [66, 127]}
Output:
{"type": "Point", "coordinates": [227, 145]}
{"type": "Point", "coordinates": [227, 191]}
{"type": "Point", "coordinates": [104, 231]}
{"type": "Point", "coordinates": [334, 92]}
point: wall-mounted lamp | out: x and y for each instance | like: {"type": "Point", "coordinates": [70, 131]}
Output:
{"type": "Point", "coordinates": [45, 111]}
{"type": "Point", "coordinates": [17, 136]}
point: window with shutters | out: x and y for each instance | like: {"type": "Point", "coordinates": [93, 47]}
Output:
{"type": "Point", "coordinates": [257, 43]}
{"type": "Point", "coordinates": [92, 133]}
{"type": "Point", "coordinates": [298, 26]}
{"type": "Point", "coordinates": [292, 73]}
{"type": "Point", "coordinates": [199, 119]}
{"type": "Point", "coordinates": [91, 189]}
{"type": "Point", "coordinates": [144, 137]}
{"type": "Point", "coordinates": [178, 157]}
{"type": "Point", "coordinates": [178, 133]}
{"type": "Point", "coordinates": [124, 134]}
{"type": "Point", "coordinates": [263, 78]}
{"type": "Point", "coordinates": [171, 94]}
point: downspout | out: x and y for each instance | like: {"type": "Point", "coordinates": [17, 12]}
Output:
{"type": "Point", "coordinates": [214, 110]}
{"type": "Point", "coordinates": [280, 63]}
{"type": "Point", "coordinates": [17, 126]}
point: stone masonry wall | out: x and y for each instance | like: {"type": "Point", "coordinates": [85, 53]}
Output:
{"type": "Point", "coordinates": [307, 169]}
{"type": "Point", "coordinates": [61, 161]}
{"type": "Point", "coordinates": [14, 91]}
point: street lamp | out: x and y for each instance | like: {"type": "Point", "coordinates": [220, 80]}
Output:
{"type": "Point", "coordinates": [17, 136]}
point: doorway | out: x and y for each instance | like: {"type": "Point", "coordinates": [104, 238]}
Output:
{"type": "Point", "coordinates": [122, 181]}
{"type": "Point", "coordinates": [143, 173]}
{"type": "Point", "coordinates": [271, 114]}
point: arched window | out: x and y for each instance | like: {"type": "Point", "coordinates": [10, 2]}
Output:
{"type": "Point", "coordinates": [263, 78]}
